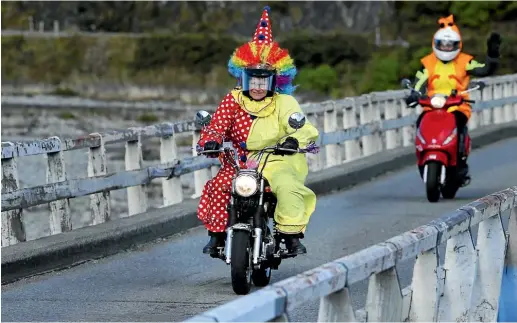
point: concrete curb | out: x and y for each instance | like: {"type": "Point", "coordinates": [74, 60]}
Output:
{"type": "Point", "coordinates": [69, 248]}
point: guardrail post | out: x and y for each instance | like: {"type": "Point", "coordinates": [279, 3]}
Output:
{"type": "Point", "coordinates": [508, 108]}
{"type": "Point", "coordinates": [336, 307]}
{"type": "Point", "coordinates": [490, 246]}
{"type": "Point", "coordinates": [390, 113]}
{"type": "Point", "coordinates": [460, 268]}
{"type": "Point", "coordinates": [200, 176]}
{"type": "Point", "coordinates": [486, 95]}
{"type": "Point", "coordinates": [97, 166]}
{"type": "Point", "coordinates": [352, 147]}
{"type": "Point", "coordinates": [514, 93]}
{"type": "Point", "coordinates": [367, 116]}
{"type": "Point", "coordinates": [136, 196]}
{"type": "Point", "coordinates": [408, 132]}
{"type": "Point", "coordinates": [384, 299]}
{"type": "Point", "coordinates": [498, 111]}
{"type": "Point", "coordinates": [12, 226]}
{"type": "Point", "coordinates": [59, 210]}
{"type": "Point", "coordinates": [333, 152]}
{"type": "Point", "coordinates": [171, 188]}
{"type": "Point", "coordinates": [427, 286]}
{"type": "Point", "coordinates": [507, 308]}
{"type": "Point", "coordinates": [375, 109]}
{"type": "Point", "coordinates": [476, 117]}
{"type": "Point", "coordinates": [315, 161]}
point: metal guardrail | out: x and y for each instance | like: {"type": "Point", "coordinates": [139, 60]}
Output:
{"type": "Point", "coordinates": [465, 288]}
{"type": "Point", "coordinates": [350, 129]}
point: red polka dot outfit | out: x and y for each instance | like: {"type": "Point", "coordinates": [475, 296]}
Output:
{"type": "Point", "coordinates": [234, 123]}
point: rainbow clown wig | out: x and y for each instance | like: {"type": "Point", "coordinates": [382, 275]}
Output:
{"type": "Point", "coordinates": [262, 50]}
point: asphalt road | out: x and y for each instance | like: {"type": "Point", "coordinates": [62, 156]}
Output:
{"type": "Point", "coordinates": [172, 280]}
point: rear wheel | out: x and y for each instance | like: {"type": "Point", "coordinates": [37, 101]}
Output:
{"type": "Point", "coordinates": [261, 276]}
{"type": "Point", "coordinates": [241, 264]}
{"type": "Point", "coordinates": [450, 189]}
{"type": "Point", "coordinates": [433, 182]}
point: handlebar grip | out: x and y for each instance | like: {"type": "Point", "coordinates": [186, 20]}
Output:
{"type": "Point", "coordinates": [470, 101]}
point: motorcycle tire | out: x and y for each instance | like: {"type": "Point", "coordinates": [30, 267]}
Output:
{"type": "Point", "coordinates": [261, 276]}
{"type": "Point", "coordinates": [241, 263]}
{"type": "Point", "coordinates": [433, 182]}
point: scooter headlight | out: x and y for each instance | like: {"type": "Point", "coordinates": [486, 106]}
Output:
{"type": "Point", "coordinates": [438, 101]}
{"type": "Point", "coordinates": [246, 185]}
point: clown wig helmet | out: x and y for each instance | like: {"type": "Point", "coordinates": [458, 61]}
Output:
{"type": "Point", "coordinates": [263, 58]}
{"type": "Point", "coordinates": [447, 40]}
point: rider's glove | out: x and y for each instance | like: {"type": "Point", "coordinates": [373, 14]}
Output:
{"type": "Point", "coordinates": [289, 143]}
{"type": "Point", "coordinates": [493, 43]}
{"type": "Point", "coordinates": [412, 99]}
{"type": "Point", "coordinates": [212, 145]}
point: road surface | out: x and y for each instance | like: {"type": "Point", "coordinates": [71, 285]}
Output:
{"type": "Point", "coordinates": [172, 280]}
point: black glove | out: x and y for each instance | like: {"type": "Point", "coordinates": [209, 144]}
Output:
{"type": "Point", "coordinates": [289, 143]}
{"type": "Point", "coordinates": [212, 145]}
{"type": "Point", "coordinates": [493, 43]}
{"type": "Point", "coordinates": [412, 99]}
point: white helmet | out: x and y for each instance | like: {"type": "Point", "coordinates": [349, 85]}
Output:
{"type": "Point", "coordinates": [446, 44]}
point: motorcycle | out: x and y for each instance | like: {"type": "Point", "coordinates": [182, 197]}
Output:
{"type": "Point", "coordinates": [251, 249]}
{"type": "Point", "coordinates": [436, 143]}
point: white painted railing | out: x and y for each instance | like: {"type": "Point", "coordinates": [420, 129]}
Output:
{"type": "Point", "coordinates": [350, 128]}
{"type": "Point", "coordinates": [466, 287]}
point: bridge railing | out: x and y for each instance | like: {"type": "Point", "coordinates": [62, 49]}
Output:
{"type": "Point", "coordinates": [464, 287]}
{"type": "Point", "coordinates": [350, 128]}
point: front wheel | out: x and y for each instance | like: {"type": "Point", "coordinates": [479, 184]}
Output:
{"type": "Point", "coordinates": [241, 262]}
{"type": "Point", "coordinates": [433, 182]}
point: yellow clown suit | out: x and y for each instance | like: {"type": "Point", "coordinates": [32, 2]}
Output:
{"type": "Point", "coordinates": [253, 116]}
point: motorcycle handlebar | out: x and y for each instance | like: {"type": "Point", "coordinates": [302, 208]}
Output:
{"type": "Point", "coordinates": [273, 148]}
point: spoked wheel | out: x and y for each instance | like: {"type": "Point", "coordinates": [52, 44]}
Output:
{"type": "Point", "coordinates": [433, 182]}
{"type": "Point", "coordinates": [241, 263]}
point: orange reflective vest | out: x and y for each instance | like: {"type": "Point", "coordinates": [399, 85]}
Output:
{"type": "Point", "coordinates": [444, 77]}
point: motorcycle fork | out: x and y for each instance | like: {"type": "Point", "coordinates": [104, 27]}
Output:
{"type": "Point", "coordinates": [232, 218]}
{"type": "Point", "coordinates": [257, 224]}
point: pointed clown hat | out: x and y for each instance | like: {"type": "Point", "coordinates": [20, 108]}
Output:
{"type": "Point", "coordinates": [263, 50]}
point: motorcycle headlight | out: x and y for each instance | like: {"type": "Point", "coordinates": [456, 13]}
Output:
{"type": "Point", "coordinates": [438, 102]}
{"type": "Point", "coordinates": [246, 185]}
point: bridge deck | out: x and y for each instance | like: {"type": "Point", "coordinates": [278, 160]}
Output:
{"type": "Point", "coordinates": [172, 280]}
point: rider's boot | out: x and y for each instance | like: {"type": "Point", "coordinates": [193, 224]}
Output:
{"type": "Point", "coordinates": [463, 167]}
{"type": "Point", "coordinates": [216, 240]}
{"type": "Point", "coordinates": [293, 244]}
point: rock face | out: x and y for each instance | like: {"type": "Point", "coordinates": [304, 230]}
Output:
{"type": "Point", "coordinates": [38, 123]}
{"type": "Point", "coordinates": [215, 16]}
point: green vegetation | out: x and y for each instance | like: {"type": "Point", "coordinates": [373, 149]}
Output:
{"type": "Point", "coordinates": [148, 118]}
{"type": "Point", "coordinates": [335, 63]}
{"type": "Point", "coordinates": [66, 115]}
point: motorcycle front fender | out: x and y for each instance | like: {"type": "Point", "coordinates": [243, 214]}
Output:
{"type": "Point", "coordinates": [438, 156]}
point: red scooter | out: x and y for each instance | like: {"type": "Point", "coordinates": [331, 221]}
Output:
{"type": "Point", "coordinates": [436, 143]}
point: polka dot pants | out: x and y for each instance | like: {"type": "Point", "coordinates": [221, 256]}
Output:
{"type": "Point", "coordinates": [214, 200]}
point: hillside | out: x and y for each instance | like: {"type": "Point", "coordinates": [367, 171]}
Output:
{"type": "Point", "coordinates": [187, 44]}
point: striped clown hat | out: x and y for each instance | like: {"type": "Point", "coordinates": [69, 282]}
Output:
{"type": "Point", "coordinates": [262, 50]}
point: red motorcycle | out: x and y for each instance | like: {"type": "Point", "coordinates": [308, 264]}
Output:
{"type": "Point", "coordinates": [436, 143]}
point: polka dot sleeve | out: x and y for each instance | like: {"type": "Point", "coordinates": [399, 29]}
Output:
{"type": "Point", "coordinates": [221, 122]}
